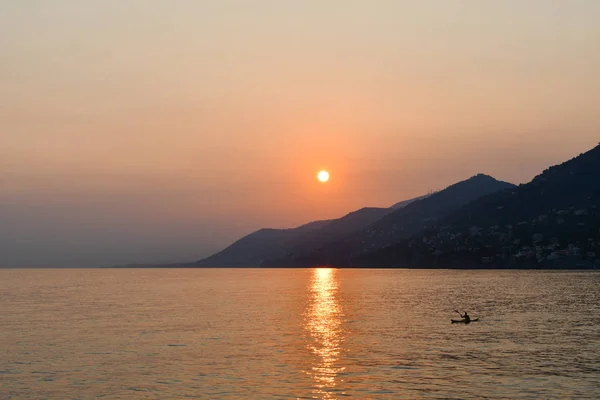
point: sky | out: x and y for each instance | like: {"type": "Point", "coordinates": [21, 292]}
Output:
{"type": "Point", "coordinates": [149, 131]}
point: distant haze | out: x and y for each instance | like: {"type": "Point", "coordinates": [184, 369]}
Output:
{"type": "Point", "coordinates": [136, 131]}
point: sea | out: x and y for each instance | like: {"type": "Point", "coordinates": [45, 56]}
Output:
{"type": "Point", "coordinates": [298, 334]}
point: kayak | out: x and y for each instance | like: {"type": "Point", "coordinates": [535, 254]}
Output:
{"type": "Point", "coordinates": [462, 321]}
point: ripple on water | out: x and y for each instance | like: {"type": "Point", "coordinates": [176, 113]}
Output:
{"type": "Point", "coordinates": [327, 334]}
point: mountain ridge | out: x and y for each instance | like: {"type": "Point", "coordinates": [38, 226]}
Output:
{"type": "Point", "coordinates": [396, 225]}
{"type": "Point", "coordinates": [302, 245]}
{"type": "Point", "coordinates": [269, 243]}
{"type": "Point", "coordinates": [551, 222]}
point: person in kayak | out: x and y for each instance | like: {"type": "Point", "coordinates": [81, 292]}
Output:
{"type": "Point", "coordinates": [466, 317]}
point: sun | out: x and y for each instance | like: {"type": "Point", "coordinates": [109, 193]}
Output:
{"type": "Point", "coordinates": [323, 176]}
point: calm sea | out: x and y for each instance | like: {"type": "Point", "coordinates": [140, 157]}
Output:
{"type": "Point", "coordinates": [292, 333]}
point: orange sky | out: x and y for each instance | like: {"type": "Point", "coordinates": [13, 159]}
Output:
{"type": "Point", "coordinates": [140, 131]}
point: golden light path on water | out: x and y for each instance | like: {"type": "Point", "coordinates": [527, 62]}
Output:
{"type": "Point", "coordinates": [323, 321]}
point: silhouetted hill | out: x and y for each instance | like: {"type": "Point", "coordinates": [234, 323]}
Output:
{"type": "Point", "coordinates": [269, 244]}
{"type": "Point", "coordinates": [393, 227]}
{"type": "Point", "coordinates": [253, 249]}
{"type": "Point", "coordinates": [266, 244]}
{"type": "Point", "coordinates": [404, 203]}
{"type": "Point", "coordinates": [335, 230]}
{"type": "Point", "coordinates": [553, 221]}
{"type": "Point", "coordinates": [350, 222]}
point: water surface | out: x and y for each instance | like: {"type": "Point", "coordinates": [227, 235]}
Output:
{"type": "Point", "coordinates": [292, 333]}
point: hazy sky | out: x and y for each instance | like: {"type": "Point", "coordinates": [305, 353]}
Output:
{"type": "Point", "coordinates": [151, 130]}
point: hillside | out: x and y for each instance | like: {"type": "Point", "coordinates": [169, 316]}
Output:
{"type": "Point", "coordinates": [268, 244]}
{"type": "Point", "coordinates": [252, 249]}
{"type": "Point", "coordinates": [404, 203]}
{"type": "Point", "coordinates": [395, 226]}
{"type": "Point", "coordinates": [553, 221]}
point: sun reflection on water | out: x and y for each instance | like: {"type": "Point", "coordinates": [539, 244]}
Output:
{"type": "Point", "coordinates": [323, 321]}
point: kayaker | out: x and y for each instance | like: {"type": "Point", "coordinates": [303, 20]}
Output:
{"type": "Point", "coordinates": [466, 317]}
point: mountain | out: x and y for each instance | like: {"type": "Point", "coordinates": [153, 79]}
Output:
{"type": "Point", "coordinates": [392, 227]}
{"type": "Point", "coordinates": [263, 244]}
{"type": "Point", "coordinates": [350, 222]}
{"type": "Point", "coordinates": [360, 231]}
{"type": "Point", "coordinates": [404, 203]}
{"type": "Point", "coordinates": [269, 244]}
{"type": "Point", "coordinates": [553, 221]}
